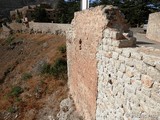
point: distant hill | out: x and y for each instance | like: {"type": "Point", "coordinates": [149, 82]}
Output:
{"type": "Point", "coordinates": [8, 5]}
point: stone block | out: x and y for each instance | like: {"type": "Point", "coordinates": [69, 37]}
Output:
{"type": "Point", "coordinates": [104, 41]}
{"type": "Point", "coordinates": [119, 74]}
{"type": "Point", "coordinates": [136, 111]}
{"type": "Point", "coordinates": [153, 73]}
{"type": "Point", "coordinates": [129, 62]}
{"type": "Point", "coordinates": [126, 52]}
{"type": "Point", "coordinates": [118, 50]}
{"type": "Point", "coordinates": [121, 58]}
{"type": "Point", "coordinates": [136, 83]}
{"type": "Point", "coordinates": [122, 68]}
{"type": "Point", "coordinates": [116, 35]}
{"type": "Point", "coordinates": [140, 95]}
{"type": "Point", "coordinates": [158, 65]}
{"type": "Point", "coordinates": [150, 60]}
{"type": "Point", "coordinates": [152, 104]}
{"type": "Point", "coordinates": [136, 55]}
{"type": "Point", "coordinates": [155, 96]}
{"type": "Point", "coordinates": [146, 91]}
{"type": "Point", "coordinates": [144, 107]}
{"type": "Point", "coordinates": [128, 34]}
{"type": "Point", "coordinates": [130, 89]}
{"type": "Point", "coordinates": [107, 33]}
{"type": "Point", "coordinates": [154, 113]}
{"type": "Point", "coordinates": [115, 55]}
{"type": "Point", "coordinates": [126, 43]}
{"type": "Point", "coordinates": [147, 81]}
{"type": "Point", "coordinates": [108, 54]}
{"type": "Point", "coordinates": [109, 41]}
{"type": "Point", "coordinates": [140, 66]}
{"type": "Point", "coordinates": [120, 88]}
{"type": "Point", "coordinates": [105, 48]}
{"type": "Point", "coordinates": [126, 79]}
{"type": "Point", "coordinates": [155, 92]}
{"type": "Point", "coordinates": [117, 64]}
{"type": "Point", "coordinates": [135, 100]}
{"type": "Point", "coordinates": [137, 75]}
{"type": "Point", "coordinates": [129, 71]}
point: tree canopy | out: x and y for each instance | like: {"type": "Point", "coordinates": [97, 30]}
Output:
{"type": "Point", "coordinates": [135, 11]}
{"type": "Point", "coordinates": [67, 9]}
{"type": "Point", "coordinates": [40, 15]}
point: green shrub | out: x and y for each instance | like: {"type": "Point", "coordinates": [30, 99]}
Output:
{"type": "Point", "coordinates": [62, 49]}
{"type": "Point", "coordinates": [16, 91]}
{"type": "Point", "coordinates": [18, 99]}
{"type": "Point", "coordinates": [18, 20]}
{"type": "Point", "coordinates": [10, 39]}
{"type": "Point", "coordinates": [59, 69]}
{"type": "Point", "coordinates": [45, 68]}
{"type": "Point", "coordinates": [12, 109]}
{"type": "Point", "coordinates": [26, 76]}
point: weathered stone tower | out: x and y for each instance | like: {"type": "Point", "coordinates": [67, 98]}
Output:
{"type": "Point", "coordinates": [153, 27]}
{"type": "Point", "coordinates": [110, 78]}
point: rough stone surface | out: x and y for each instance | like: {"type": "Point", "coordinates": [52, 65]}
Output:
{"type": "Point", "coordinates": [81, 51]}
{"type": "Point", "coordinates": [67, 110]}
{"type": "Point", "coordinates": [109, 79]}
{"type": "Point", "coordinates": [153, 27]}
{"type": "Point", "coordinates": [147, 80]}
{"type": "Point", "coordinates": [52, 28]}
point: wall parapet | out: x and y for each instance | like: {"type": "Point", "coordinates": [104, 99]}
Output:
{"type": "Point", "coordinates": [52, 28]}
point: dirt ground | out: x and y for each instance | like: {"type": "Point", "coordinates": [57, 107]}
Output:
{"type": "Point", "coordinates": [142, 40]}
{"type": "Point", "coordinates": [40, 95]}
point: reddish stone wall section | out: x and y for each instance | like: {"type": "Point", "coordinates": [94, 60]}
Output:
{"type": "Point", "coordinates": [82, 48]}
{"type": "Point", "coordinates": [87, 31]}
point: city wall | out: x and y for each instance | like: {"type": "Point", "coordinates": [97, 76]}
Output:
{"type": "Point", "coordinates": [153, 27]}
{"type": "Point", "coordinates": [109, 77]}
{"type": "Point", "coordinates": [53, 28]}
{"type": "Point", "coordinates": [35, 27]}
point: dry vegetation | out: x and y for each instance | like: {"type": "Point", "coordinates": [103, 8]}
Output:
{"type": "Point", "coordinates": [25, 91]}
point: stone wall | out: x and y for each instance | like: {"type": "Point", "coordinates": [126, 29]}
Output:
{"type": "Point", "coordinates": [153, 28]}
{"type": "Point", "coordinates": [109, 77]}
{"type": "Point", "coordinates": [128, 81]}
{"type": "Point", "coordinates": [81, 50]}
{"type": "Point", "coordinates": [53, 28]}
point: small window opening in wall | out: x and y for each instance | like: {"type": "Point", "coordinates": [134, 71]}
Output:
{"type": "Point", "coordinates": [80, 44]}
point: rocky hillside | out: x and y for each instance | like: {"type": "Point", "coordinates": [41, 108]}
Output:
{"type": "Point", "coordinates": [33, 78]}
